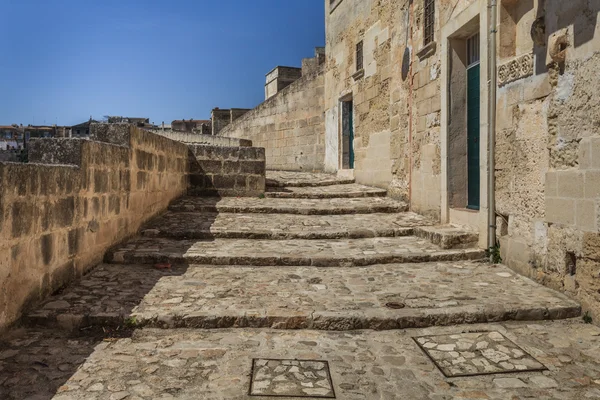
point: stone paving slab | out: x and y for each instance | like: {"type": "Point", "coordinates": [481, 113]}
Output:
{"type": "Point", "coordinates": [193, 225]}
{"type": "Point", "coordinates": [304, 179]}
{"type": "Point", "coordinates": [302, 297]}
{"type": "Point", "coordinates": [333, 206]}
{"type": "Point", "coordinates": [211, 365]}
{"type": "Point", "coordinates": [296, 252]}
{"type": "Point", "coordinates": [325, 192]}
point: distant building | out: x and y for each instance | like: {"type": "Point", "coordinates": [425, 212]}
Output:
{"type": "Point", "coordinates": [11, 137]}
{"type": "Point", "coordinates": [202, 126]}
{"type": "Point", "coordinates": [81, 130]}
{"type": "Point", "coordinates": [222, 117]}
{"type": "Point", "coordinates": [139, 122]}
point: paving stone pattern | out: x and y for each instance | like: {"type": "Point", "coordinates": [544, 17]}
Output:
{"type": "Point", "coordinates": [477, 354]}
{"type": "Point", "coordinates": [291, 378]}
{"type": "Point", "coordinates": [302, 297]}
{"type": "Point", "coordinates": [188, 225]}
{"type": "Point", "coordinates": [301, 252]}
{"type": "Point", "coordinates": [303, 179]}
{"type": "Point", "coordinates": [365, 365]}
{"type": "Point", "coordinates": [129, 329]}
{"type": "Point", "coordinates": [334, 206]}
{"type": "Point", "coordinates": [325, 192]}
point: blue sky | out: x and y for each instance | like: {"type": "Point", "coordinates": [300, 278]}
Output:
{"type": "Point", "coordinates": [65, 60]}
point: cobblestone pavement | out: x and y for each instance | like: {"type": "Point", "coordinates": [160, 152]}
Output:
{"type": "Point", "coordinates": [359, 205]}
{"type": "Point", "coordinates": [72, 350]}
{"type": "Point", "coordinates": [326, 192]}
{"type": "Point", "coordinates": [303, 297]}
{"type": "Point", "coordinates": [304, 179]}
{"type": "Point", "coordinates": [365, 365]}
{"type": "Point", "coordinates": [187, 225]}
{"type": "Point", "coordinates": [321, 253]}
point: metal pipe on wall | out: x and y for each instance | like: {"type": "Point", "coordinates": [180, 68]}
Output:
{"type": "Point", "coordinates": [492, 59]}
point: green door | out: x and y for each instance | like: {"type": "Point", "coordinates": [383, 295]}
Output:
{"type": "Point", "coordinates": [473, 102]}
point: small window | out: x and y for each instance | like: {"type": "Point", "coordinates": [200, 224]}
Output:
{"type": "Point", "coordinates": [473, 50]}
{"type": "Point", "coordinates": [359, 56]}
{"type": "Point", "coordinates": [429, 21]}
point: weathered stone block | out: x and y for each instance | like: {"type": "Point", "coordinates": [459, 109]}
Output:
{"type": "Point", "coordinates": [586, 215]}
{"type": "Point", "coordinates": [560, 211]}
{"type": "Point", "coordinates": [592, 184]}
{"type": "Point", "coordinates": [570, 184]}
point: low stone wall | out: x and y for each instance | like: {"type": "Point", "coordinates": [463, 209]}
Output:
{"type": "Point", "coordinates": [74, 200]}
{"type": "Point", "coordinates": [196, 138]}
{"type": "Point", "coordinates": [226, 171]}
{"type": "Point", "coordinates": [290, 126]}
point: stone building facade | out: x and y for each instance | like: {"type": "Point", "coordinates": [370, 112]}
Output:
{"type": "Point", "coordinates": [406, 95]}
{"type": "Point", "coordinates": [406, 107]}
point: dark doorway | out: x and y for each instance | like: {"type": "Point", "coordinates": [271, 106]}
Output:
{"type": "Point", "coordinates": [347, 135]}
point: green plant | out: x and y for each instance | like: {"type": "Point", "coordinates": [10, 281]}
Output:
{"type": "Point", "coordinates": [494, 254]}
{"type": "Point", "coordinates": [261, 196]}
{"type": "Point", "coordinates": [131, 322]}
{"type": "Point", "coordinates": [587, 318]}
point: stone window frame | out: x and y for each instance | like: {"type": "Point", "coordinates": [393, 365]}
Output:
{"type": "Point", "coordinates": [428, 22]}
{"type": "Point", "coordinates": [333, 4]}
{"type": "Point", "coordinates": [429, 44]}
{"type": "Point", "coordinates": [359, 60]}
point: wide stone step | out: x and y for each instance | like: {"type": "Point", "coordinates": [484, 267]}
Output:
{"type": "Point", "coordinates": [297, 252]}
{"type": "Point", "coordinates": [325, 192]}
{"type": "Point", "coordinates": [193, 225]}
{"type": "Point", "coordinates": [395, 296]}
{"type": "Point", "coordinates": [303, 179]}
{"type": "Point", "coordinates": [359, 205]}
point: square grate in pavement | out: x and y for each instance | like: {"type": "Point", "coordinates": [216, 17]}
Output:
{"type": "Point", "coordinates": [477, 353]}
{"type": "Point", "coordinates": [291, 378]}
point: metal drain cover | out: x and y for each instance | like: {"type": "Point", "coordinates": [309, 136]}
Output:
{"type": "Point", "coordinates": [481, 353]}
{"type": "Point", "coordinates": [291, 378]}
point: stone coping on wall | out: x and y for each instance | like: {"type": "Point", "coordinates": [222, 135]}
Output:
{"type": "Point", "coordinates": [197, 138]}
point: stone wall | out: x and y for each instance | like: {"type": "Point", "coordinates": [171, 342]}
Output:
{"type": "Point", "coordinates": [61, 212]}
{"type": "Point", "coordinates": [290, 126]}
{"type": "Point", "coordinates": [226, 171]}
{"type": "Point", "coordinates": [548, 175]}
{"type": "Point", "coordinates": [196, 138]}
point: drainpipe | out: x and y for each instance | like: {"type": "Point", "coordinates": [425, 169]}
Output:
{"type": "Point", "coordinates": [492, 126]}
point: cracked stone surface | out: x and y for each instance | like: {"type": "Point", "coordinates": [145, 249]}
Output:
{"type": "Point", "coordinates": [282, 226]}
{"type": "Point", "coordinates": [332, 206]}
{"type": "Point", "coordinates": [304, 179]}
{"type": "Point", "coordinates": [365, 365]}
{"type": "Point", "coordinates": [303, 297]}
{"type": "Point", "coordinates": [301, 252]}
{"type": "Point", "coordinates": [295, 378]}
{"type": "Point", "coordinates": [477, 353]}
{"type": "Point", "coordinates": [324, 192]}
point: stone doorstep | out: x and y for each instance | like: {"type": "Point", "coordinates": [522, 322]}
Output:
{"type": "Point", "coordinates": [271, 183]}
{"type": "Point", "coordinates": [373, 319]}
{"type": "Point", "coordinates": [448, 236]}
{"type": "Point", "coordinates": [154, 257]}
{"type": "Point", "coordinates": [326, 195]}
{"type": "Point", "coordinates": [268, 235]}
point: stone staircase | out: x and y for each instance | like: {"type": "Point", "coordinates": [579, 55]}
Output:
{"type": "Point", "coordinates": [259, 262]}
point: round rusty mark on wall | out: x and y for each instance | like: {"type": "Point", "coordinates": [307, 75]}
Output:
{"type": "Point", "coordinates": [405, 63]}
